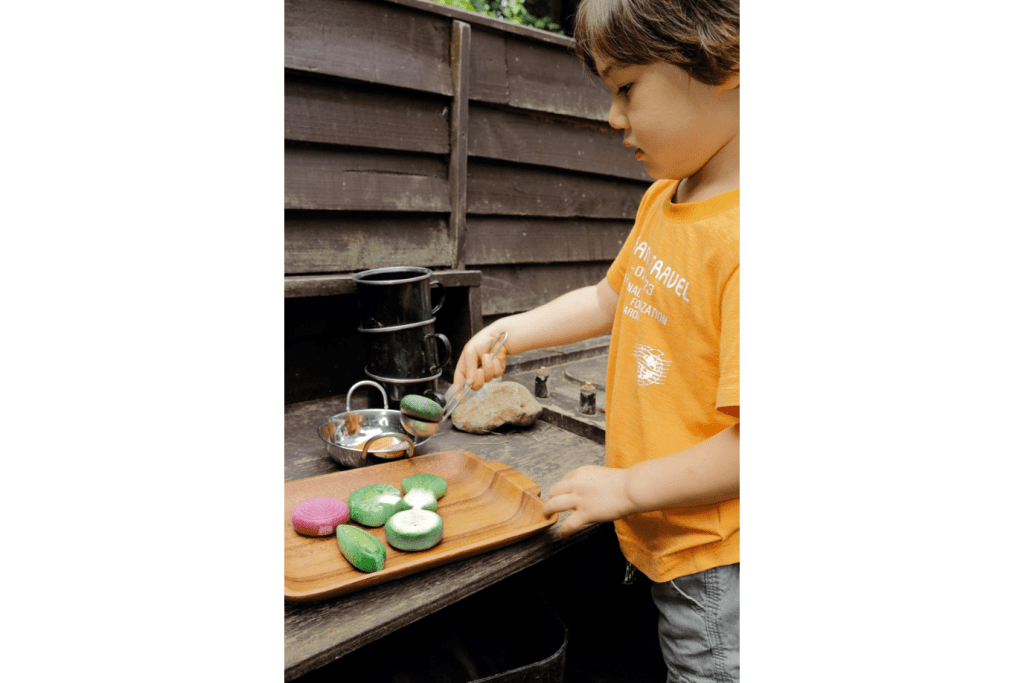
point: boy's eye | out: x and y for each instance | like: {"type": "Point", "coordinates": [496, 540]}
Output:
{"type": "Point", "coordinates": [625, 89]}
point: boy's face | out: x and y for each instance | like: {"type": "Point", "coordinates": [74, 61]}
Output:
{"type": "Point", "coordinates": [677, 123]}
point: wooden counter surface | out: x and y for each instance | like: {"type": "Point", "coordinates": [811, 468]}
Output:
{"type": "Point", "coordinates": [319, 633]}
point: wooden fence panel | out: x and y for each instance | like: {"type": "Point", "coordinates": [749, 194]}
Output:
{"type": "Point", "coordinates": [554, 81]}
{"type": "Point", "coordinates": [363, 181]}
{"type": "Point", "coordinates": [515, 71]}
{"type": "Point", "coordinates": [341, 113]}
{"type": "Point", "coordinates": [511, 240]}
{"type": "Point", "coordinates": [343, 241]}
{"type": "Point", "coordinates": [502, 188]}
{"type": "Point", "coordinates": [522, 287]}
{"type": "Point", "coordinates": [368, 40]}
{"type": "Point", "coordinates": [488, 74]}
{"type": "Point", "coordinates": [529, 138]}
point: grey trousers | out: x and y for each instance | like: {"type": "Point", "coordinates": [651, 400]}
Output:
{"type": "Point", "coordinates": [699, 625]}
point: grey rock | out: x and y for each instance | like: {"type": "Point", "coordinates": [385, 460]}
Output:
{"type": "Point", "coordinates": [497, 404]}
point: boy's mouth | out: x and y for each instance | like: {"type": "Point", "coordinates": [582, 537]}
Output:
{"type": "Point", "coordinates": [638, 154]}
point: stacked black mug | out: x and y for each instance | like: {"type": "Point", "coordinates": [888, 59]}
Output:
{"type": "Point", "coordinates": [396, 315]}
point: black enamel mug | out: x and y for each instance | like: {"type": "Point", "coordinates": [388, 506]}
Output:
{"type": "Point", "coordinates": [390, 297]}
{"type": "Point", "coordinates": [397, 389]}
{"type": "Point", "coordinates": [412, 351]}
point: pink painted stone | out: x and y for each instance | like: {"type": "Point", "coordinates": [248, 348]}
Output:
{"type": "Point", "coordinates": [319, 516]}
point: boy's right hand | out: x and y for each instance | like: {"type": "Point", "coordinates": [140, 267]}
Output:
{"type": "Point", "coordinates": [475, 365]}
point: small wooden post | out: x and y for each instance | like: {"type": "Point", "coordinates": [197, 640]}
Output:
{"type": "Point", "coordinates": [459, 127]}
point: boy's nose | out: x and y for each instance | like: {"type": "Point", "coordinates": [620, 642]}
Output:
{"type": "Point", "coordinates": [616, 118]}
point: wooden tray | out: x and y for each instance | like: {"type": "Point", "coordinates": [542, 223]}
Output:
{"type": "Point", "coordinates": [488, 505]}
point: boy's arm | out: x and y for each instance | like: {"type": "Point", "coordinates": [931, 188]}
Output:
{"type": "Point", "coordinates": [708, 472]}
{"type": "Point", "coordinates": [581, 314]}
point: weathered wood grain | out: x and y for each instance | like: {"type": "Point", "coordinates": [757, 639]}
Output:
{"type": "Point", "coordinates": [501, 240]}
{"type": "Point", "coordinates": [553, 80]}
{"type": "Point", "coordinates": [510, 289]}
{"type": "Point", "coordinates": [545, 140]}
{"type": "Point", "coordinates": [337, 242]}
{"type": "Point", "coordinates": [488, 74]}
{"type": "Point", "coordinates": [511, 189]}
{"type": "Point", "coordinates": [517, 71]}
{"type": "Point", "coordinates": [459, 132]}
{"type": "Point", "coordinates": [343, 113]}
{"type": "Point", "coordinates": [341, 178]}
{"type": "Point", "coordinates": [528, 362]}
{"type": "Point", "coordinates": [369, 41]}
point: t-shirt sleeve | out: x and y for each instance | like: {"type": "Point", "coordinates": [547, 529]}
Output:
{"type": "Point", "coordinates": [729, 344]}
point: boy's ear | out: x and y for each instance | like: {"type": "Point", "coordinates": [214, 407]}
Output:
{"type": "Point", "coordinates": [731, 83]}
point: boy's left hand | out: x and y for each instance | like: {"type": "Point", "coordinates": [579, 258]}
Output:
{"type": "Point", "coordinates": [596, 494]}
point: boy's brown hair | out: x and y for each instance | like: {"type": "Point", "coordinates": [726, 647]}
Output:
{"type": "Point", "coordinates": [700, 36]}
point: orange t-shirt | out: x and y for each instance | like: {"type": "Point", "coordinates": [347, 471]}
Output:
{"type": "Point", "coordinates": [674, 361]}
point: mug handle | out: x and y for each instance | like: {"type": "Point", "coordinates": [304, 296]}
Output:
{"type": "Point", "coordinates": [447, 350]}
{"type": "Point", "coordinates": [440, 288]}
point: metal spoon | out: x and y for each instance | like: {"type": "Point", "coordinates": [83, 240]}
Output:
{"type": "Point", "coordinates": [425, 428]}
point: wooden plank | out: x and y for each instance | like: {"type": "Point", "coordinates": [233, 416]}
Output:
{"type": "Point", "coordinates": [343, 113]}
{"type": "Point", "coordinates": [552, 79]}
{"type": "Point", "coordinates": [338, 178]}
{"type": "Point", "coordinates": [297, 286]}
{"type": "Point", "coordinates": [476, 313]}
{"type": "Point", "coordinates": [488, 75]}
{"type": "Point", "coordinates": [510, 189]}
{"type": "Point", "coordinates": [459, 131]}
{"type": "Point", "coordinates": [332, 241]}
{"type": "Point", "coordinates": [523, 363]}
{"type": "Point", "coordinates": [366, 40]}
{"type": "Point", "coordinates": [529, 75]}
{"type": "Point", "coordinates": [511, 289]}
{"type": "Point", "coordinates": [505, 240]}
{"type": "Point", "coordinates": [544, 140]}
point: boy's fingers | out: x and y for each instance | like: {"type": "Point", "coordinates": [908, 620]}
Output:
{"type": "Point", "coordinates": [476, 379]}
{"type": "Point", "coordinates": [477, 370]}
{"type": "Point", "coordinates": [558, 503]}
{"type": "Point", "coordinates": [488, 367]}
{"type": "Point", "coordinates": [572, 524]}
{"type": "Point", "coordinates": [467, 363]}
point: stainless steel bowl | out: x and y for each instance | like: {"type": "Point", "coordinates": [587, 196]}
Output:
{"type": "Point", "coordinates": [354, 435]}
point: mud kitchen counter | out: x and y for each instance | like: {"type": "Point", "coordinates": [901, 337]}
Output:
{"type": "Point", "coordinates": [562, 439]}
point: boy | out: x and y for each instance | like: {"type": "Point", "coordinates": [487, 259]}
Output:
{"type": "Point", "coordinates": [671, 301]}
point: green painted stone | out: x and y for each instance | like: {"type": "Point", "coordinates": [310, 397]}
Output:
{"type": "Point", "coordinates": [418, 499]}
{"type": "Point", "coordinates": [372, 505]}
{"type": "Point", "coordinates": [421, 407]}
{"type": "Point", "coordinates": [425, 481]}
{"type": "Point", "coordinates": [414, 530]}
{"type": "Point", "coordinates": [361, 548]}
